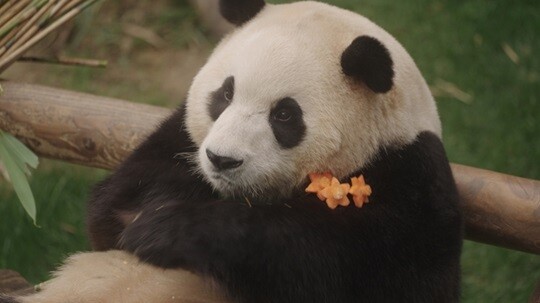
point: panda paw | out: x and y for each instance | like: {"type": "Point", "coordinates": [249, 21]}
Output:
{"type": "Point", "coordinates": [200, 237]}
{"type": "Point", "coordinates": [158, 236]}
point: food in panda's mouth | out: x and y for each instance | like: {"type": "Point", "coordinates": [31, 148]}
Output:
{"type": "Point", "coordinates": [360, 191]}
{"type": "Point", "coordinates": [319, 181]}
{"type": "Point", "coordinates": [334, 193]}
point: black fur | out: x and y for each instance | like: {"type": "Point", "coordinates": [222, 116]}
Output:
{"type": "Point", "coordinates": [367, 60]}
{"type": "Point", "coordinates": [288, 132]}
{"type": "Point", "coordinates": [154, 168]}
{"type": "Point", "coordinates": [239, 12]}
{"type": "Point", "coordinates": [221, 98]}
{"type": "Point", "coordinates": [403, 246]}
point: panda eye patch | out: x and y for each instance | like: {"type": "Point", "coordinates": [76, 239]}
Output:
{"type": "Point", "coordinates": [286, 120]}
{"type": "Point", "coordinates": [221, 98]}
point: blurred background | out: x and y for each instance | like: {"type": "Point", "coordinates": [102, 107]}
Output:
{"type": "Point", "coordinates": [480, 58]}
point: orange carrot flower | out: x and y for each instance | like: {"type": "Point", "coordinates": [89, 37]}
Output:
{"type": "Point", "coordinates": [336, 194]}
{"type": "Point", "coordinates": [360, 191]}
{"type": "Point", "coordinates": [319, 181]}
{"type": "Point", "coordinates": [329, 189]}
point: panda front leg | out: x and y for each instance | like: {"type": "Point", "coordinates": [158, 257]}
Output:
{"type": "Point", "coordinates": [155, 166]}
{"type": "Point", "coordinates": [259, 254]}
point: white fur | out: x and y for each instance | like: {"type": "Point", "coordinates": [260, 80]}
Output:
{"type": "Point", "coordinates": [116, 277]}
{"type": "Point", "coordinates": [294, 50]}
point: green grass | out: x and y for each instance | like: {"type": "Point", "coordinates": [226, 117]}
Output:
{"type": "Point", "coordinates": [460, 42]}
{"type": "Point", "coordinates": [61, 190]}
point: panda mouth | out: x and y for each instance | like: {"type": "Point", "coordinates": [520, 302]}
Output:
{"type": "Point", "coordinates": [229, 186]}
{"type": "Point", "coordinates": [224, 185]}
{"type": "Point", "coordinates": [236, 188]}
{"type": "Point", "coordinates": [222, 178]}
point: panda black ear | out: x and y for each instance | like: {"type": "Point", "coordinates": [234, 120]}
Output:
{"type": "Point", "coordinates": [239, 12]}
{"type": "Point", "coordinates": [368, 60]}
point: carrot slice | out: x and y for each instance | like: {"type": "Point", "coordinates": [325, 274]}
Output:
{"type": "Point", "coordinates": [360, 191]}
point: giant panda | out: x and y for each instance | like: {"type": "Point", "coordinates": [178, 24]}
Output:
{"type": "Point", "coordinates": [212, 207]}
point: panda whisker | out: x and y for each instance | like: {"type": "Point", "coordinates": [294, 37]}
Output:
{"type": "Point", "coordinates": [189, 156]}
{"type": "Point", "coordinates": [192, 158]}
{"type": "Point", "coordinates": [196, 170]}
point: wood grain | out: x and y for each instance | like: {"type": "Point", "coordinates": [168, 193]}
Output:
{"type": "Point", "coordinates": [75, 127]}
{"type": "Point", "coordinates": [535, 297]}
{"type": "Point", "coordinates": [13, 283]}
{"type": "Point", "coordinates": [500, 209]}
{"type": "Point", "coordinates": [100, 132]}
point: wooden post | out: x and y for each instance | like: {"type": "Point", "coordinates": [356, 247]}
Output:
{"type": "Point", "coordinates": [535, 297]}
{"type": "Point", "coordinates": [75, 127]}
{"type": "Point", "coordinates": [500, 209]}
{"type": "Point", "coordinates": [100, 132]}
{"type": "Point", "coordinates": [14, 284]}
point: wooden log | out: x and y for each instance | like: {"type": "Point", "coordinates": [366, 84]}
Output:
{"type": "Point", "coordinates": [13, 283]}
{"type": "Point", "coordinates": [75, 127]}
{"type": "Point", "coordinates": [500, 209]}
{"type": "Point", "coordinates": [96, 131]}
{"type": "Point", "coordinates": [535, 297]}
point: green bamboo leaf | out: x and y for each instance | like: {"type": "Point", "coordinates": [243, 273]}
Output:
{"type": "Point", "coordinates": [20, 150]}
{"type": "Point", "coordinates": [20, 183]}
{"type": "Point", "coordinates": [22, 166]}
{"type": "Point", "coordinates": [20, 163]}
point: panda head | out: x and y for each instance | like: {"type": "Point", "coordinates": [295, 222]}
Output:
{"type": "Point", "coordinates": [299, 88]}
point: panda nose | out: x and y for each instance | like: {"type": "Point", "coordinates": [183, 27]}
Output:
{"type": "Point", "coordinates": [223, 163]}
